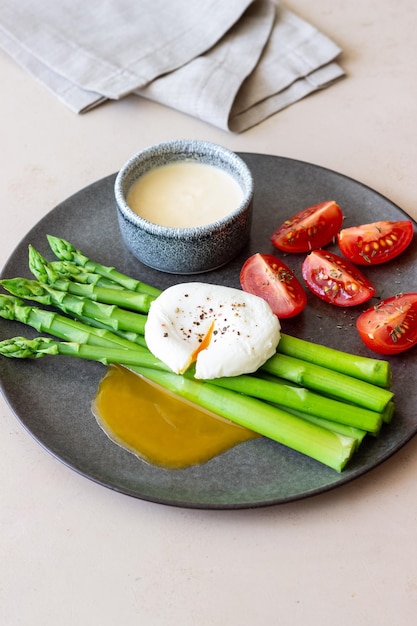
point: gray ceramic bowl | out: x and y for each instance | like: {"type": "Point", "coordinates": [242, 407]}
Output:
{"type": "Point", "coordinates": [185, 250]}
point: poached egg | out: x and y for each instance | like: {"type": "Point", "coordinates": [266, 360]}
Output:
{"type": "Point", "coordinates": [224, 331]}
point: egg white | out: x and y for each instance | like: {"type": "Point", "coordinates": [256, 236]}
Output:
{"type": "Point", "coordinates": [225, 331]}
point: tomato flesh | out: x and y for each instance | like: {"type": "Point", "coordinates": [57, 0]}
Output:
{"type": "Point", "coordinates": [336, 280]}
{"type": "Point", "coordinates": [375, 243]}
{"type": "Point", "coordinates": [309, 229]}
{"type": "Point", "coordinates": [390, 327]}
{"type": "Point", "coordinates": [266, 276]}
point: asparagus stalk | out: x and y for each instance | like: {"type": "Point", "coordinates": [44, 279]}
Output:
{"type": "Point", "coordinates": [131, 300]}
{"type": "Point", "coordinates": [46, 321]}
{"type": "Point", "coordinates": [376, 371]}
{"type": "Point", "coordinates": [302, 399]}
{"type": "Point", "coordinates": [342, 429]}
{"type": "Point", "coordinates": [65, 251]}
{"type": "Point", "coordinates": [71, 271]}
{"type": "Point", "coordinates": [287, 396]}
{"type": "Point", "coordinates": [329, 382]}
{"type": "Point", "coordinates": [323, 445]}
{"type": "Point", "coordinates": [328, 447]}
{"type": "Point", "coordinates": [110, 315]}
{"type": "Point", "coordinates": [134, 338]}
{"type": "Point", "coordinates": [23, 348]}
{"type": "Point", "coordinates": [386, 414]}
{"type": "Point", "coordinates": [20, 347]}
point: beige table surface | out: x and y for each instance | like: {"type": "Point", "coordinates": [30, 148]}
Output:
{"type": "Point", "coordinates": [75, 553]}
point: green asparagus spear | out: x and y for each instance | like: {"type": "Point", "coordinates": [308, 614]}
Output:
{"type": "Point", "coordinates": [131, 300]}
{"type": "Point", "coordinates": [23, 348]}
{"type": "Point", "coordinates": [134, 338]}
{"type": "Point", "coordinates": [375, 371]}
{"type": "Point", "coordinates": [389, 412]}
{"type": "Point", "coordinates": [302, 399]}
{"type": "Point", "coordinates": [286, 396]}
{"type": "Point", "coordinates": [325, 446]}
{"type": "Point", "coordinates": [349, 431]}
{"type": "Point", "coordinates": [343, 429]}
{"type": "Point", "coordinates": [67, 270]}
{"type": "Point", "coordinates": [110, 315]}
{"type": "Point", "coordinates": [45, 321]}
{"type": "Point", "coordinates": [71, 271]}
{"type": "Point", "coordinates": [316, 441]}
{"type": "Point", "coordinates": [65, 251]}
{"type": "Point", "coordinates": [328, 382]}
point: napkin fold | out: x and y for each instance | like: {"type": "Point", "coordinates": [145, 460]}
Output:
{"type": "Point", "coordinates": [231, 64]}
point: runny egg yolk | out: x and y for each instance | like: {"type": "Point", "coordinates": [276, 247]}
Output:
{"type": "Point", "coordinates": [159, 427]}
{"type": "Point", "coordinates": [205, 342]}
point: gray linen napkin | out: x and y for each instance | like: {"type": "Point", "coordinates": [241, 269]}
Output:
{"type": "Point", "coordinates": [230, 63]}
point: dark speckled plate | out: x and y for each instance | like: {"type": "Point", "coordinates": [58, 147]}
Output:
{"type": "Point", "coordinates": [52, 397]}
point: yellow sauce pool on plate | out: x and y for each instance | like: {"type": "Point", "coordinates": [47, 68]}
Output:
{"type": "Point", "coordinates": [184, 194]}
{"type": "Point", "coordinates": [159, 427]}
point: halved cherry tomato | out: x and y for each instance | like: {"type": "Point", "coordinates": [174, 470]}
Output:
{"type": "Point", "coordinates": [378, 242]}
{"type": "Point", "coordinates": [390, 327]}
{"type": "Point", "coordinates": [336, 280]}
{"type": "Point", "coordinates": [311, 228]}
{"type": "Point", "coordinates": [264, 275]}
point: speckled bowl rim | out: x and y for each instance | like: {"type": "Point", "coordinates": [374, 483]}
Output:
{"type": "Point", "coordinates": [184, 149]}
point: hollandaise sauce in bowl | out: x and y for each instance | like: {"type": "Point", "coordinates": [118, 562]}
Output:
{"type": "Point", "coordinates": [185, 206]}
